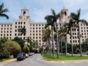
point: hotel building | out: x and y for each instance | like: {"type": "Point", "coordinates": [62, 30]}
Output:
{"type": "Point", "coordinates": [34, 30]}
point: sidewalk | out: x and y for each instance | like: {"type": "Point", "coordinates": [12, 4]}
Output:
{"type": "Point", "coordinates": [6, 62]}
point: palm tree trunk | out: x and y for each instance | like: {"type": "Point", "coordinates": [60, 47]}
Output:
{"type": "Point", "coordinates": [61, 46]}
{"type": "Point", "coordinates": [52, 43]}
{"type": "Point", "coordinates": [66, 44]}
{"type": "Point", "coordinates": [57, 41]}
{"type": "Point", "coordinates": [71, 41]}
{"type": "Point", "coordinates": [79, 40]}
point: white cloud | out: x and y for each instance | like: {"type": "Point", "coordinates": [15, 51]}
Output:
{"type": "Point", "coordinates": [38, 9]}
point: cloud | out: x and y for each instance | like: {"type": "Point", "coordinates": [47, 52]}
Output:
{"type": "Point", "coordinates": [38, 9]}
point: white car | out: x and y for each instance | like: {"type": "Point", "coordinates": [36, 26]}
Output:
{"type": "Point", "coordinates": [26, 55]}
{"type": "Point", "coordinates": [31, 53]}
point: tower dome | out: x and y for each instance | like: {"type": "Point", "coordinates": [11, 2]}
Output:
{"type": "Point", "coordinates": [24, 14]}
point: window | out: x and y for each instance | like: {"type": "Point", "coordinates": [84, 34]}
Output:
{"type": "Point", "coordinates": [15, 26]}
{"type": "Point", "coordinates": [1, 31]}
{"type": "Point", "coordinates": [36, 37]}
{"type": "Point", "coordinates": [18, 26]}
{"type": "Point", "coordinates": [15, 30]}
{"type": "Point", "coordinates": [7, 28]}
{"type": "Point", "coordinates": [39, 43]}
{"type": "Point", "coordinates": [15, 34]}
{"type": "Point", "coordinates": [39, 28]}
{"type": "Point", "coordinates": [24, 38]}
{"type": "Point", "coordinates": [39, 40]}
{"type": "Point", "coordinates": [24, 22]}
{"type": "Point", "coordinates": [15, 22]}
{"type": "Point", "coordinates": [39, 37]}
{"type": "Point", "coordinates": [19, 22]}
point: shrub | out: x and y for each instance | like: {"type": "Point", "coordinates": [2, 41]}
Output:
{"type": "Point", "coordinates": [11, 48]}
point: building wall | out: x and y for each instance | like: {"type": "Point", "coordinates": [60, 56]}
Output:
{"type": "Point", "coordinates": [6, 30]}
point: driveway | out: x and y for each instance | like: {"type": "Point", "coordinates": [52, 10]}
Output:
{"type": "Point", "coordinates": [37, 60]}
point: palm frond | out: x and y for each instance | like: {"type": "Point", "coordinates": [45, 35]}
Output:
{"type": "Point", "coordinates": [4, 10]}
{"type": "Point", "coordinates": [1, 6]}
{"type": "Point", "coordinates": [78, 13]}
{"type": "Point", "coordinates": [4, 15]}
{"type": "Point", "coordinates": [53, 12]}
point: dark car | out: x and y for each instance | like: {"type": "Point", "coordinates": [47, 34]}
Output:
{"type": "Point", "coordinates": [20, 56]}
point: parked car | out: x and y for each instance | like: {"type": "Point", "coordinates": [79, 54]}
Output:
{"type": "Point", "coordinates": [20, 56]}
{"type": "Point", "coordinates": [26, 55]}
{"type": "Point", "coordinates": [31, 53]}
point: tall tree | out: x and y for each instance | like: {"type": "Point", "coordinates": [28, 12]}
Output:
{"type": "Point", "coordinates": [63, 35]}
{"type": "Point", "coordinates": [70, 25]}
{"type": "Point", "coordinates": [75, 17]}
{"type": "Point", "coordinates": [3, 11]}
{"type": "Point", "coordinates": [54, 18]}
{"type": "Point", "coordinates": [46, 37]}
{"type": "Point", "coordinates": [51, 24]}
{"type": "Point", "coordinates": [29, 40]}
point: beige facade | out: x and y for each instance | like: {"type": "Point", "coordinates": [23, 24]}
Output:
{"type": "Point", "coordinates": [34, 30]}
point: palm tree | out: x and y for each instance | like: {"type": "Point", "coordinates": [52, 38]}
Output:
{"type": "Point", "coordinates": [23, 31]}
{"type": "Point", "coordinates": [54, 18]}
{"type": "Point", "coordinates": [69, 31]}
{"type": "Point", "coordinates": [50, 24]}
{"type": "Point", "coordinates": [2, 11]}
{"type": "Point", "coordinates": [76, 19]}
{"type": "Point", "coordinates": [28, 40]}
{"type": "Point", "coordinates": [63, 34]}
{"type": "Point", "coordinates": [46, 37]}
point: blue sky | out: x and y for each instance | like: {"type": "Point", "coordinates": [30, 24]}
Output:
{"type": "Point", "coordinates": [38, 9]}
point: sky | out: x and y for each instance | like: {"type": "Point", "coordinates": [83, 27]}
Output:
{"type": "Point", "coordinates": [38, 9]}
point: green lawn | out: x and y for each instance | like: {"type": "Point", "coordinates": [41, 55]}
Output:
{"type": "Point", "coordinates": [63, 57]}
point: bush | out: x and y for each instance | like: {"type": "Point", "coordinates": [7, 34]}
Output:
{"type": "Point", "coordinates": [11, 48]}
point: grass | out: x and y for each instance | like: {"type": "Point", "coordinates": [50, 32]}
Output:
{"type": "Point", "coordinates": [64, 57]}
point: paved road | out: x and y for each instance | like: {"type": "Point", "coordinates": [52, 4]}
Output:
{"type": "Point", "coordinates": [37, 60]}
